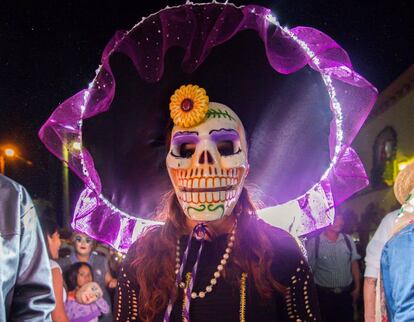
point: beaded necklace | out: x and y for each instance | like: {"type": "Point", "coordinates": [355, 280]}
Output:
{"type": "Point", "coordinates": [217, 273]}
{"type": "Point", "coordinates": [199, 232]}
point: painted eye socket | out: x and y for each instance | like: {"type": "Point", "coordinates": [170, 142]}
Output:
{"type": "Point", "coordinates": [79, 239]}
{"type": "Point", "coordinates": [187, 150]}
{"type": "Point", "coordinates": [226, 147]}
{"type": "Point", "coordinates": [184, 150]}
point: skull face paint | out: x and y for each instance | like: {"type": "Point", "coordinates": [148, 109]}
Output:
{"type": "Point", "coordinates": [83, 244]}
{"type": "Point", "coordinates": [207, 164]}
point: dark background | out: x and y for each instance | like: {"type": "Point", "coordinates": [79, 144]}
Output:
{"type": "Point", "coordinates": [50, 51]}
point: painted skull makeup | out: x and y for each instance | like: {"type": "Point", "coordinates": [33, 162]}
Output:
{"type": "Point", "coordinates": [207, 164]}
{"type": "Point", "coordinates": [83, 244]}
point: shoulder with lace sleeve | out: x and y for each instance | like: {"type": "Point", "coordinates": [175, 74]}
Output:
{"type": "Point", "coordinates": [291, 269]}
{"type": "Point", "coordinates": [54, 264]}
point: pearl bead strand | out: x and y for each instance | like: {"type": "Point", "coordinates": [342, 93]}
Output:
{"type": "Point", "coordinates": [217, 273]}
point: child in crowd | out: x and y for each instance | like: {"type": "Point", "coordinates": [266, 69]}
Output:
{"type": "Point", "coordinates": [85, 302]}
{"type": "Point", "coordinates": [83, 251]}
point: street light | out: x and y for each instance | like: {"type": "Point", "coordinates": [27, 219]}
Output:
{"type": "Point", "coordinates": [76, 146]}
{"type": "Point", "coordinates": [10, 152]}
{"type": "Point", "coordinates": [69, 147]}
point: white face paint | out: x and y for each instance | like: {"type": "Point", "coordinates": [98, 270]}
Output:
{"type": "Point", "coordinates": [83, 244]}
{"type": "Point", "coordinates": [208, 163]}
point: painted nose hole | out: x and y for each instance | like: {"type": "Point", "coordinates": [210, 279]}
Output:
{"type": "Point", "coordinates": [206, 158]}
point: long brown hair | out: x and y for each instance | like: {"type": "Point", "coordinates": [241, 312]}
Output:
{"type": "Point", "coordinates": [154, 261]}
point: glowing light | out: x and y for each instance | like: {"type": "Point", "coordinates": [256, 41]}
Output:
{"type": "Point", "coordinates": [76, 146]}
{"type": "Point", "coordinates": [9, 152]}
{"type": "Point", "coordinates": [336, 106]}
{"type": "Point", "coordinates": [272, 19]}
{"type": "Point", "coordinates": [402, 165]}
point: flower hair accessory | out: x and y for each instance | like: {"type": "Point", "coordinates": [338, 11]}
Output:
{"type": "Point", "coordinates": [189, 105]}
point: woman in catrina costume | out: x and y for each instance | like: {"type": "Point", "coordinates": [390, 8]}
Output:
{"type": "Point", "coordinates": [213, 259]}
{"type": "Point", "coordinates": [224, 133]}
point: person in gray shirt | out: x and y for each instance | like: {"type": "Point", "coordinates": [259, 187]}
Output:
{"type": "Point", "coordinates": [333, 258]}
{"type": "Point", "coordinates": [26, 292]}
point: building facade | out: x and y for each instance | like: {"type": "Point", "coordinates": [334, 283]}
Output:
{"type": "Point", "coordinates": [385, 144]}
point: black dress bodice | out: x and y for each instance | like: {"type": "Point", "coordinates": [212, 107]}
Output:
{"type": "Point", "coordinates": [223, 304]}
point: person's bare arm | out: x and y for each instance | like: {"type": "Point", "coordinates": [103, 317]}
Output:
{"type": "Point", "coordinates": [58, 313]}
{"type": "Point", "coordinates": [356, 274]}
{"type": "Point", "coordinates": [370, 285]}
{"type": "Point", "coordinates": [110, 281]}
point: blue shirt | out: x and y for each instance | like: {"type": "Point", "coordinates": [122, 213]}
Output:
{"type": "Point", "coordinates": [397, 269]}
{"type": "Point", "coordinates": [333, 266]}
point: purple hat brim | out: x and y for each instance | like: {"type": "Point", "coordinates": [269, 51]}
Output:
{"type": "Point", "coordinates": [212, 24]}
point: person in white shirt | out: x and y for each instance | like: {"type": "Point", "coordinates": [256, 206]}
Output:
{"type": "Point", "coordinates": [51, 235]}
{"type": "Point", "coordinates": [372, 264]}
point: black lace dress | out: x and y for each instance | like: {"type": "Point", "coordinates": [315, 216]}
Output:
{"type": "Point", "coordinates": [232, 302]}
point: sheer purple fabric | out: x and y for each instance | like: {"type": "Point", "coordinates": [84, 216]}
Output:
{"type": "Point", "coordinates": [198, 29]}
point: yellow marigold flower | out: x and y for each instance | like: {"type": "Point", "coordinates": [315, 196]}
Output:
{"type": "Point", "coordinates": [189, 105]}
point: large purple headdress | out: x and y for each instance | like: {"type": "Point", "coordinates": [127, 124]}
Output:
{"type": "Point", "coordinates": [301, 126]}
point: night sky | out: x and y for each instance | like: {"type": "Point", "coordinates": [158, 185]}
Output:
{"type": "Point", "coordinates": [50, 52]}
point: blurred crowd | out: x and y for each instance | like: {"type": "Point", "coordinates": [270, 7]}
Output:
{"type": "Point", "coordinates": [84, 274]}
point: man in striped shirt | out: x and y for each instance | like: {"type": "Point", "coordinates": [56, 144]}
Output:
{"type": "Point", "coordinates": [334, 259]}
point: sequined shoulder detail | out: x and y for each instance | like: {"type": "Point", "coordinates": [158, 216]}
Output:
{"type": "Point", "coordinates": [126, 298]}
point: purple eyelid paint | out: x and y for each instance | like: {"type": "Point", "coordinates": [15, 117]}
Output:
{"type": "Point", "coordinates": [185, 137]}
{"type": "Point", "coordinates": [224, 135]}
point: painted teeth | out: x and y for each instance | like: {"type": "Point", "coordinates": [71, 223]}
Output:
{"type": "Point", "coordinates": [207, 183]}
{"type": "Point", "coordinates": [208, 196]}
{"type": "Point", "coordinates": [216, 182]}
{"type": "Point", "coordinates": [216, 196]}
{"type": "Point", "coordinates": [195, 197]}
{"type": "Point", "coordinates": [212, 178]}
{"type": "Point", "coordinates": [209, 172]}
